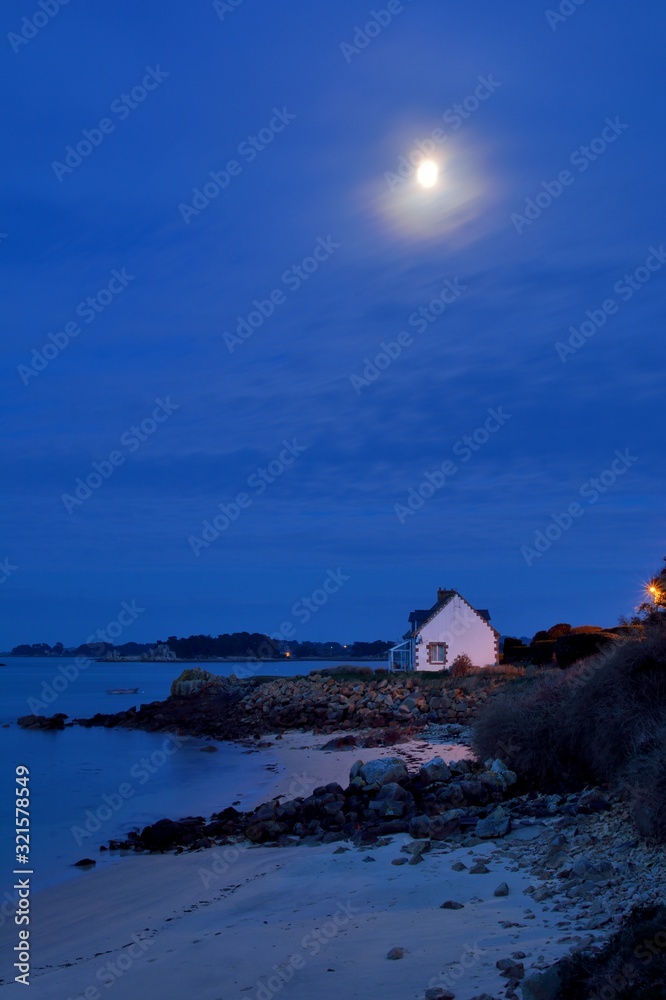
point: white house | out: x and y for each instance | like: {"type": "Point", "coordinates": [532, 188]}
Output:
{"type": "Point", "coordinates": [437, 636]}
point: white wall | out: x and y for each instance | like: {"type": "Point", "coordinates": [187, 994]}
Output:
{"type": "Point", "coordinates": [463, 630]}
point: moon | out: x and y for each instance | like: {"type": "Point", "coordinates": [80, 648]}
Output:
{"type": "Point", "coordinates": [427, 173]}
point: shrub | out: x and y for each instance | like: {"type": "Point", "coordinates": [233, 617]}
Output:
{"type": "Point", "coordinates": [555, 631]}
{"type": "Point", "coordinates": [462, 666]}
{"type": "Point", "coordinates": [577, 646]}
{"type": "Point", "coordinates": [601, 721]}
{"type": "Point", "coordinates": [542, 652]}
{"type": "Point", "coordinates": [631, 966]}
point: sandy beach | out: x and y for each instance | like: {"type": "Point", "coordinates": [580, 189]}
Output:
{"type": "Point", "coordinates": [299, 922]}
{"type": "Point", "coordinates": [257, 922]}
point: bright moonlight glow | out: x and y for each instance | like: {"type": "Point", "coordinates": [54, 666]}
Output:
{"type": "Point", "coordinates": [427, 173]}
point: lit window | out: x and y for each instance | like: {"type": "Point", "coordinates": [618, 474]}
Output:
{"type": "Point", "coordinates": [437, 652]}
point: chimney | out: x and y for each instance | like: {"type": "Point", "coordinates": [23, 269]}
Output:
{"type": "Point", "coordinates": [442, 593]}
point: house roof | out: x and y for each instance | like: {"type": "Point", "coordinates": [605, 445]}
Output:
{"type": "Point", "coordinates": [418, 619]}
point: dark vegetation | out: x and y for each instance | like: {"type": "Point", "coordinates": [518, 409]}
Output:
{"type": "Point", "coordinates": [601, 721]}
{"type": "Point", "coordinates": [632, 965]}
{"type": "Point", "coordinates": [254, 645]}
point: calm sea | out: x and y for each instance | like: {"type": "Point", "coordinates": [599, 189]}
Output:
{"type": "Point", "coordinates": [76, 774]}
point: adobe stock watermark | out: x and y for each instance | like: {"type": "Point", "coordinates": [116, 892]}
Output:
{"type": "Point", "coordinates": [620, 982]}
{"type": "Point", "coordinates": [582, 159]}
{"type": "Point", "coordinates": [469, 957]}
{"type": "Point", "coordinates": [366, 33]}
{"type": "Point", "coordinates": [88, 310]}
{"type": "Point", "coordinates": [293, 278]}
{"type": "Point", "coordinates": [311, 944]}
{"type": "Point", "coordinates": [122, 107]}
{"type": "Point", "coordinates": [224, 7]}
{"type": "Point", "coordinates": [566, 9]}
{"type": "Point", "coordinates": [303, 610]}
{"type": "Point", "coordinates": [114, 969]}
{"type": "Point", "coordinates": [420, 320]}
{"type": "Point", "coordinates": [464, 449]}
{"type": "Point", "coordinates": [454, 116]}
{"type": "Point", "coordinates": [592, 491]}
{"type": "Point", "coordinates": [224, 858]}
{"type": "Point", "coordinates": [131, 440]}
{"type": "Point", "coordinates": [249, 150]}
{"type": "Point", "coordinates": [7, 569]}
{"type": "Point", "coordinates": [31, 26]}
{"type": "Point", "coordinates": [626, 287]}
{"type": "Point", "coordinates": [258, 482]}
{"type": "Point", "coordinates": [68, 673]}
{"type": "Point", "coordinates": [112, 802]}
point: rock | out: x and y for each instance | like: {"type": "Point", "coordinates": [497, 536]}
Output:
{"type": "Point", "coordinates": [593, 802]}
{"type": "Point", "coordinates": [355, 770]}
{"type": "Point", "coordinates": [498, 824]}
{"type": "Point", "coordinates": [383, 772]}
{"type": "Point", "coordinates": [458, 866]}
{"type": "Point", "coordinates": [393, 800]}
{"type": "Point", "coordinates": [416, 847]}
{"type": "Point", "coordinates": [419, 827]}
{"type": "Point", "coordinates": [445, 824]}
{"type": "Point", "coordinates": [211, 748]}
{"type": "Point", "coordinates": [510, 968]}
{"type": "Point", "coordinates": [85, 863]}
{"type": "Point", "coordinates": [396, 953]}
{"type": "Point", "coordinates": [544, 985]}
{"type": "Point", "coordinates": [167, 834]}
{"type": "Point", "coordinates": [341, 743]}
{"type": "Point", "coordinates": [501, 890]}
{"type": "Point", "coordinates": [595, 871]}
{"type": "Point", "coordinates": [437, 993]}
{"type": "Point", "coordinates": [192, 682]}
{"type": "Point", "coordinates": [435, 770]}
{"type": "Point", "coordinates": [400, 861]}
{"type": "Point", "coordinates": [56, 721]}
{"type": "Point", "coordinates": [479, 869]}
{"type": "Point", "coordinates": [451, 904]}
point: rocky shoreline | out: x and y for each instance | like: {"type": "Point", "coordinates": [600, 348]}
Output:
{"type": "Point", "coordinates": [203, 704]}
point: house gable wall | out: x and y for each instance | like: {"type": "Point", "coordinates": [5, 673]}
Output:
{"type": "Point", "coordinates": [463, 630]}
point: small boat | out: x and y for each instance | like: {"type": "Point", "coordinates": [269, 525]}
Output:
{"type": "Point", "coordinates": [122, 691]}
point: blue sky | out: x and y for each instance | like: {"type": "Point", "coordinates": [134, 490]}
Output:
{"type": "Point", "coordinates": [334, 111]}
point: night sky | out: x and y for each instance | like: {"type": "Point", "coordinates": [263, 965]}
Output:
{"type": "Point", "coordinates": [185, 340]}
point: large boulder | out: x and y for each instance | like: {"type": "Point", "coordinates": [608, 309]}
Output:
{"type": "Point", "coordinates": [192, 682]}
{"type": "Point", "coordinates": [382, 772]}
{"type": "Point", "coordinates": [436, 827]}
{"type": "Point", "coordinates": [435, 770]}
{"type": "Point", "coordinates": [498, 824]}
{"type": "Point", "coordinates": [393, 801]}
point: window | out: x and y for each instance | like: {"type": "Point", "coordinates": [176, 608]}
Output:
{"type": "Point", "coordinates": [437, 652]}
